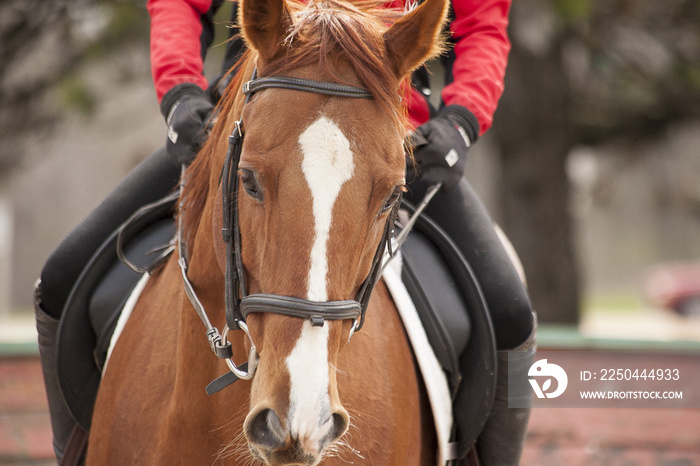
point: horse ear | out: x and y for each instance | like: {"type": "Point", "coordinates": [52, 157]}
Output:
{"type": "Point", "coordinates": [265, 25]}
{"type": "Point", "coordinates": [416, 37]}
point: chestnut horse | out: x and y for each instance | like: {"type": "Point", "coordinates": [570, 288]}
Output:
{"type": "Point", "coordinates": [318, 178]}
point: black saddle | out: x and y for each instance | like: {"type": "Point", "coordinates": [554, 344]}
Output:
{"type": "Point", "coordinates": [436, 275]}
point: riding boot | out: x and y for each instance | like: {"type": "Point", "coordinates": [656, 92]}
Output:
{"type": "Point", "coordinates": [62, 422]}
{"type": "Point", "coordinates": [502, 440]}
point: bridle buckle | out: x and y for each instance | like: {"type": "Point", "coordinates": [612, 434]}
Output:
{"type": "Point", "coordinates": [316, 321]}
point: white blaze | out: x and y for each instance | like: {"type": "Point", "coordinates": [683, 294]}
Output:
{"type": "Point", "coordinates": [327, 165]}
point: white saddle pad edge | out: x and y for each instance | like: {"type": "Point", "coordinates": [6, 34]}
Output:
{"type": "Point", "coordinates": [433, 374]}
{"type": "Point", "coordinates": [126, 313]}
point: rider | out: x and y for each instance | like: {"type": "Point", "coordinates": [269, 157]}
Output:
{"type": "Point", "coordinates": [182, 31]}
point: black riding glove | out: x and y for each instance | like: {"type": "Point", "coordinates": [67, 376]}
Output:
{"type": "Point", "coordinates": [443, 154]}
{"type": "Point", "coordinates": [188, 114]}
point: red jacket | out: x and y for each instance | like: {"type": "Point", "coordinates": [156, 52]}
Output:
{"type": "Point", "coordinates": [479, 62]}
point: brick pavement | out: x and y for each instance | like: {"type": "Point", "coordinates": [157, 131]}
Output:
{"type": "Point", "coordinates": [25, 428]}
{"type": "Point", "coordinates": [613, 437]}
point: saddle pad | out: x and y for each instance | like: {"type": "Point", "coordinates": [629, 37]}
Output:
{"type": "Point", "coordinates": [124, 316]}
{"type": "Point", "coordinates": [433, 376]}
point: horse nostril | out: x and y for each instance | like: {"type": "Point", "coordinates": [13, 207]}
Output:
{"type": "Point", "coordinates": [265, 430]}
{"type": "Point", "coordinates": [340, 425]}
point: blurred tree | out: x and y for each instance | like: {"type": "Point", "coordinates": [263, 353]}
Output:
{"type": "Point", "coordinates": [41, 44]}
{"type": "Point", "coordinates": [34, 48]}
{"type": "Point", "coordinates": [582, 72]}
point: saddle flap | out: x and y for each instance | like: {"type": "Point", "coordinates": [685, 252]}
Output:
{"type": "Point", "coordinates": [437, 298]}
{"type": "Point", "coordinates": [111, 293]}
{"type": "Point", "coordinates": [93, 307]}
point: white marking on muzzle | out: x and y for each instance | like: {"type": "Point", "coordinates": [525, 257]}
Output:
{"type": "Point", "coordinates": [327, 165]}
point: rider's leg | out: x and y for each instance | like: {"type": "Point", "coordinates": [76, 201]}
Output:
{"type": "Point", "coordinates": [462, 215]}
{"type": "Point", "coordinates": [150, 181]}
{"type": "Point", "coordinates": [502, 440]}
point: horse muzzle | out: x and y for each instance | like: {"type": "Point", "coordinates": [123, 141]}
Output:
{"type": "Point", "coordinates": [272, 441]}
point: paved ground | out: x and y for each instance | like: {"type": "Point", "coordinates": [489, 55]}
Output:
{"type": "Point", "coordinates": [557, 437]}
{"type": "Point", "coordinates": [613, 437]}
{"type": "Point", "coordinates": [25, 429]}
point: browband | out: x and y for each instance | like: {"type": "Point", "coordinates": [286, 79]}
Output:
{"type": "Point", "coordinates": [305, 85]}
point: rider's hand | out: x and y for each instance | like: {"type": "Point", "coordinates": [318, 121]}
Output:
{"type": "Point", "coordinates": [188, 114]}
{"type": "Point", "coordinates": [443, 156]}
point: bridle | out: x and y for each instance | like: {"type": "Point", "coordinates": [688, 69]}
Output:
{"type": "Point", "coordinates": [239, 304]}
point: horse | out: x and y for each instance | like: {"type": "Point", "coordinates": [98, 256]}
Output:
{"type": "Point", "coordinates": [319, 175]}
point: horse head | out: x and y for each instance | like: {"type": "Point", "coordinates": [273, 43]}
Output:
{"type": "Point", "coordinates": [318, 177]}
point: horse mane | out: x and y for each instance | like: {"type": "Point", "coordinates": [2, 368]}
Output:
{"type": "Point", "coordinates": [322, 31]}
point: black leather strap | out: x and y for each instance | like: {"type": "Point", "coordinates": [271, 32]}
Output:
{"type": "Point", "coordinates": [303, 308]}
{"type": "Point", "coordinates": [143, 217]}
{"type": "Point", "coordinates": [376, 271]}
{"type": "Point", "coordinates": [235, 288]}
{"type": "Point", "coordinates": [76, 448]}
{"type": "Point", "coordinates": [305, 85]}
{"type": "Point", "coordinates": [224, 381]}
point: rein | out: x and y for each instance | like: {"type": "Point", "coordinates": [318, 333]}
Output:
{"type": "Point", "coordinates": [239, 304]}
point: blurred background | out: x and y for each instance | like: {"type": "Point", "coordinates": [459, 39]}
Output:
{"type": "Point", "coordinates": [592, 167]}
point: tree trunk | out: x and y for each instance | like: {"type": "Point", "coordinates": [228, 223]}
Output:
{"type": "Point", "coordinates": [533, 137]}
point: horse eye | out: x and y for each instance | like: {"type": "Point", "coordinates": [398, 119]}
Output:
{"type": "Point", "coordinates": [393, 199]}
{"type": "Point", "coordinates": [250, 185]}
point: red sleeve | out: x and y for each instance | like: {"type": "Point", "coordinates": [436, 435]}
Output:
{"type": "Point", "coordinates": [176, 50]}
{"type": "Point", "coordinates": [481, 50]}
